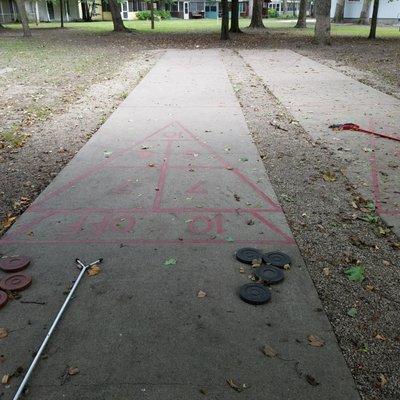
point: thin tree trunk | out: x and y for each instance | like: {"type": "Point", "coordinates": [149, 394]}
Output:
{"type": "Point", "coordinates": [116, 17]}
{"type": "Point", "coordinates": [339, 11]}
{"type": "Point", "coordinates": [23, 18]}
{"type": "Point", "coordinates": [256, 18]}
{"type": "Point", "coordinates": [364, 14]}
{"type": "Point", "coordinates": [374, 20]}
{"type": "Point", "coordinates": [284, 7]}
{"type": "Point", "coordinates": [302, 18]}
{"type": "Point", "coordinates": [85, 11]}
{"type": "Point", "coordinates": [225, 20]}
{"type": "Point", "coordinates": [235, 17]}
{"type": "Point", "coordinates": [152, 14]}
{"type": "Point", "coordinates": [322, 33]}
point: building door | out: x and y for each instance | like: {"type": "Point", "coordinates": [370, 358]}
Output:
{"type": "Point", "coordinates": [186, 10]}
{"type": "Point", "coordinates": [124, 10]}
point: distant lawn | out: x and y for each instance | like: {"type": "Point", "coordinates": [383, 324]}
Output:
{"type": "Point", "coordinates": [212, 26]}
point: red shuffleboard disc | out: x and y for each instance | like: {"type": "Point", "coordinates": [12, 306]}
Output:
{"type": "Point", "coordinates": [15, 282]}
{"type": "Point", "coordinates": [3, 298]}
{"type": "Point", "coordinates": [14, 264]}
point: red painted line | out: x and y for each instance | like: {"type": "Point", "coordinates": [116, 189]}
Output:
{"type": "Point", "coordinates": [95, 169]}
{"type": "Point", "coordinates": [273, 227]}
{"type": "Point", "coordinates": [243, 177]}
{"type": "Point", "coordinates": [163, 177]}
{"type": "Point", "coordinates": [149, 241]}
{"type": "Point", "coordinates": [172, 210]}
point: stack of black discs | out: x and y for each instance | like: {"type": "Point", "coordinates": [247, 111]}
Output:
{"type": "Point", "coordinates": [269, 273]}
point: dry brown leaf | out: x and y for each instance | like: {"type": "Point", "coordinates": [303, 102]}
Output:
{"type": "Point", "coordinates": [386, 263]}
{"type": "Point", "coordinates": [286, 267]}
{"type": "Point", "coordinates": [201, 294]}
{"type": "Point", "coordinates": [5, 379]}
{"type": "Point", "coordinates": [382, 381]}
{"type": "Point", "coordinates": [380, 337]}
{"type": "Point", "coordinates": [93, 270]}
{"type": "Point", "coordinates": [315, 341]}
{"type": "Point", "coordinates": [8, 221]}
{"type": "Point", "coordinates": [369, 287]}
{"type": "Point", "coordinates": [269, 351]}
{"type": "Point", "coordinates": [242, 270]}
{"type": "Point", "coordinates": [3, 333]}
{"type": "Point", "coordinates": [73, 371]}
{"type": "Point", "coordinates": [329, 176]}
{"type": "Point", "coordinates": [326, 271]}
{"type": "Point", "coordinates": [256, 262]}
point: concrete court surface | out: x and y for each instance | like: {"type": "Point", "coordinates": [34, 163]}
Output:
{"type": "Point", "coordinates": [173, 173]}
{"type": "Point", "coordinates": [318, 96]}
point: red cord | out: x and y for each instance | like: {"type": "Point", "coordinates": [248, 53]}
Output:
{"type": "Point", "coordinates": [356, 128]}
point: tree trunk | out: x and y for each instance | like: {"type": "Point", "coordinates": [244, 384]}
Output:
{"type": "Point", "coordinates": [151, 5]}
{"type": "Point", "coordinates": [284, 7]}
{"type": "Point", "coordinates": [302, 19]}
{"type": "Point", "coordinates": [322, 33]}
{"type": "Point", "coordinates": [339, 11]}
{"type": "Point", "coordinates": [374, 20]}
{"type": "Point", "coordinates": [256, 18]}
{"type": "Point", "coordinates": [235, 17]}
{"type": "Point", "coordinates": [23, 18]}
{"type": "Point", "coordinates": [85, 11]}
{"type": "Point", "coordinates": [364, 15]}
{"type": "Point", "coordinates": [225, 20]}
{"type": "Point", "coordinates": [116, 17]}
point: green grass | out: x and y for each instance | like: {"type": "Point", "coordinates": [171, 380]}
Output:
{"type": "Point", "coordinates": [212, 26]}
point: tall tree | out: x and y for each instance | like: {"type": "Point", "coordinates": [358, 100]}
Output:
{"type": "Point", "coordinates": [116, 17]}
{"type": "Point", "coordinates": [23, 17]}
{"type": "Point", "coordinates": [256, 18]}
{"type": "Point", "coordinates": [364, 14]}
{"type": "Point", "coordinates": [235, 17]}
{"type": "Point", "coordinates": [374, 20]}
{"type": "Point", "coordinates": [225, 20]}
{"type": "Point", "coordinates": [302, 18]}
{"type": "Point", "coordinates": [322, 33]}
{"type": "Point", "coordinates": [284, 7]}
{"type": "Point", "coordinates": [86, 16]}
{"type": "Point", "coordinates": [339, 11]}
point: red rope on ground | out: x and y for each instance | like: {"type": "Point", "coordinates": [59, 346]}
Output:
{"type": "Point", "coordinates": [357, 128]}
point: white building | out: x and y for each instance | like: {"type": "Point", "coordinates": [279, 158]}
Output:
{"type": "Point", "coordinates": [389, 11]}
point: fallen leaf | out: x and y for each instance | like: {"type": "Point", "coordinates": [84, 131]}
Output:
{"type": "Point", "coordinates": [3, 333]}
{"type": "Point", "coordinates": [170, 261]}
{"type": "Point", "coordinates": [326, 271]}
{"type": "Point", "coordinates": [73, 371]}
{"type": "Point", "coordinates": [355, 273]}
{"type": "Point", "coordinates": [93, 270]}
{"type": "Point", "coordinates": [269, 351]}
{"type": "Point", "coordinates": [386, 263]}
{"type": "Point", "coordinates": [382, 381]}
{"type": "Point", "coordinates": [150, 164]}
{"type": "Point", "coordinates": [256, 262]}
{"type": "Point", "coordinates": [242, 270]}
{"type": "Point", "coordinates": [229, 239]}
{"type": "Point", "coordinates": [8, 221]}
{"type": "Point", "coordinates": [380, 337]}
{"type": "Point", "coordinates": [311, 380]}
{"type": "Point", "coordinates": [315, 341]}
{"type": "Point", "coordinates": [329, 176]}
{"type": "Point", "coordinates": [243, 159]}
{"type": "Point", "coordinates": [5, 379]}
{"type": "Point", "coordinates": [286, 267]}
{"type": "Point", "coordinates": [352, 312]}
{"type": "Point", "coordinates": [201, 294]}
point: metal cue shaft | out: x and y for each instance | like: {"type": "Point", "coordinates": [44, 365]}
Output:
{"type": "Point", "coordinates": [53, 326]}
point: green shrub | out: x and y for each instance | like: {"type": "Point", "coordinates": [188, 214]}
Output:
{"type": "Point", "coordinates": [158, 15]}
{"type": "Point", "coordinates": [272, 13]}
